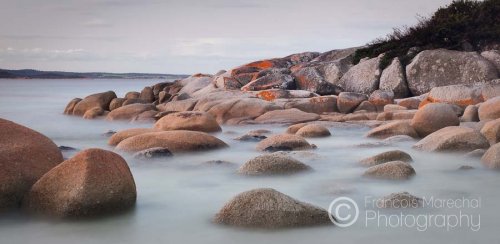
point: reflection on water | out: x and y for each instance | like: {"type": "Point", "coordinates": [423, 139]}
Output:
{"type": "Point", "coordinates": [178, 196]}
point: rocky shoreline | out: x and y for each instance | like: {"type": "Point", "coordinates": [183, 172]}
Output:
{"type": "Point", "coordinates": [449, 101]}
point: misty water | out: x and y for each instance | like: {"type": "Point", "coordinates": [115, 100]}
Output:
{"type": "Point", "coordinates": [178, 196]}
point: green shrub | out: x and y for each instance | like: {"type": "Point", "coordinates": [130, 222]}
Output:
{"type": "Point", "coordinates": [462, 25]}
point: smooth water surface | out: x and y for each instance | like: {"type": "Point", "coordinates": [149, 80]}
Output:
{"type": "Point", "coordinates": [178, 196]}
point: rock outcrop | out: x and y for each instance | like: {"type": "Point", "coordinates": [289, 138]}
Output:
{"type": "Point", "coordinates": [433, 117]}
{"type": "Point", "coordinates": [453, 138]}
{"type": "Point", "coordinates": [189, 120]}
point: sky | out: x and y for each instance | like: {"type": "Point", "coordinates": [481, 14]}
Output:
{"type": "Point", "coordinates": [188, 36]}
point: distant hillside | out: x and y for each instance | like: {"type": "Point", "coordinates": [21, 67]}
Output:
{"type": "Point", "coordinates": [37, 74]}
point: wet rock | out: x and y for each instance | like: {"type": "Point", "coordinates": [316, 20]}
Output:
{"type": "Point", "coordinates": [109, 133]}
{"type": "Point", "coordinates": [292, 129]}
{"type": "Point", "coordinates": [318, 105]}
{"type": "Point", "coordinates": [491, 158]}
{"type": "Point", "coordinates": [273, 164]}
{"type": "Point", "coordinates": [221, 163]}
{"type": "Point", "coordinates": [440, 67]}
{"type": "Point", "coordinates": [366, 106]}
{"type": "Point", "coordinates": [101, 100]}
{"type": "Point", "coordinates": [395, 170]}
{"type": "Point", "coordinates": [491, 130]}
{"type": "Point", "coordinates": [453, 138]}
{"type": "Point", "coordinates": [363, 77]}
{"type": "Point", "coordinates": [490, 109]}
{"type": "Point", "coordinates": [93, 113]}
{"type": "Point", "coordinates": [116, 103]}
{"type": "Point", "coordinates": [175, 141]}
{"type": "Point", "coordinates": [283, 142]}
{"type": "Point", "coordinates": [313, 130]}
{"type": "Point", "coordinates": [393, 79]}
{"type": "Point", "coordinates": [409, 103]}
{"type": "Point", "coordinates": [268, 208]}
{"type": "Point", "coordinates": [309, 79]}
{"type": "Point", "coordinates": [292, 115]}
{"type": "Point", "coordinates": [71, 106]}
{"type": "Point", "coordinates": [433, 117]}
{"type": "Point", "coordinates": [255, 135]}
{"type": "Point", "coordinates": [189, 120]}
{"type": "Point", "coordinates": [394, 155]}
{"type": "Point", "coordinates": [271, 81]}
{"type": "Point", "coordinates": [478, 153]}
{"type": "Point", "coordinates": [465, 167]}
{"type": "Point", "coordinates": [392, 129]}
{"type": "Point", "coordinates": [400, 200]}
{"type": "Point", "coordinates": [128, 112]}
{"type": "Point", "coordinates": [380, 98]}
{"type": "Point", "coordinates": [470, 114]}
{"type": "Point", "coordinates": [147, 94]}
{"type": "Point", "coordinates": [152, 153]}
{"type": "Point", "coordinates": [92, 183]}
{"type": "Point", "coordinates": [25, 155]}
{"type": "Point", "coordinates": [124, 134]}
{"type": "Point", "coordinates": [67, 148]}
{"type": "Point", "coordinates": [348, 101]}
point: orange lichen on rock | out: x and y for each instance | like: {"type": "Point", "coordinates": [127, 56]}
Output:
{"type": "Point", "coordinates": [267, 95]}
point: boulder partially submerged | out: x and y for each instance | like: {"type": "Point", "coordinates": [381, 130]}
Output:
{"type": "Point", "coordinates": [268, 208]}
{"type": "Point", "coordinates": [277, 163]}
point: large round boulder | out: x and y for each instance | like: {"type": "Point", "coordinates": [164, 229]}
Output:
{"type": "Point", "coordinates": [101, 100]}
{"type": "Point", "coordinates": [491, 158]}
{"type": "Point", "coordinates": [491, 130]}
{"type": "Point", "coordinates": [394, 155]}
{"type": "Point", "coordinates": [380, 98]}
{"type": "Point", "coordinates": [175, 141]}
{"type": "Point", "coordinates": [433, 117]}
{"type": "Point", "coordinates": [394, 170]}
{"type": "Point", "coordinates": [124, 134]}
{"type": "Point", "coordinates": [188, 120]}
{"type": "Point", "coordinates": [277, 163]}
{"type": "Point", "coordinates": [25, 155]}
{"type": "Point", "coordinates": [490, 109]}
{"type": "Point", "coordinates": [453, 138]}
{"type": "Point", "coordinates": [363, 77]}
{"type": "Point", "coordinates": [393, 79]}
{"type": "Point", "coordinates": [470, 114]}
{"type": "Point", "coordinates": [392, 129]}
{"type": "Point", "coordinates": [313, 130]}
{"type": "Point", "coordinates": [283, 142]}
{"type": "Point", "coordinates": [91, 183]}
{"type": "Point", "coordinates": [440, 67]}
{"type": "Point", "coordinates": [128, 112]}
{"type": "Point", "coordinates": [268, 208]}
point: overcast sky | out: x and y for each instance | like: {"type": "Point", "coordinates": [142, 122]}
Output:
{"type": "Point", "coordinates": [188, 36]}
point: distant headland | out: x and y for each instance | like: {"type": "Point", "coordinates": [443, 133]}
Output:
{"type": "Point", "coordinates": [37, 74]}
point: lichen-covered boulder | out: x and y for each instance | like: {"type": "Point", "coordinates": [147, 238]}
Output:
{"type": "Point", "coordinates": [92, 183]}
{"type": "Point", "coordinates": [101, 100]}
{"type": "Point", "coordinates": [276, 163]}
{"type": "Point", "coordinates": [175, 141]}
{"type": "Point", "coordinates": [283, 142]}
{"type": "Point", "coordinates": [348, 101]}
{"type": "Point", "coordinates": [394, 170]}
{"type": "Point", "coordinates": [394, 155]}
{"type": "Point", "coordinates": [25, 156]}
{"type": "Point", "coordinates": [453, 138]}
{"type": "Point", "coordinates": [433, 117]}
{"type": "Point", "coordinates": [440, 67]}
{"type": "Point", "coordinates": [268, 208]}
{"type": "Point", "coordinates": [188, 120]}
{"type": "Point", "coordinates": [393, 79]}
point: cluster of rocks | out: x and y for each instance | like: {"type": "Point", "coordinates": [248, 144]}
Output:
{"type": "Point", "coordinates": [311, 86]}
{"type": "Point", "coordinates": [93, 182]}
